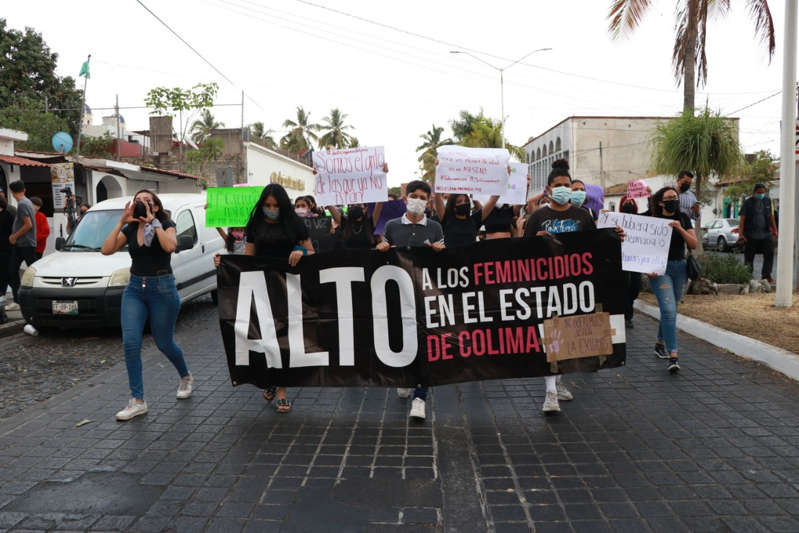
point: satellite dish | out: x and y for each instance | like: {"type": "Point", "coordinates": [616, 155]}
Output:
{"type": "Point", "coordinates": [62, 142]}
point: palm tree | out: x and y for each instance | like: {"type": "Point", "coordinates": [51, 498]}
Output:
{"type": "Point", "coordinates": [484, 132]}
{"type": "Point", "coordinates": [354, 142]}
{"type": "Point", "coordinates": [262, 136]}
{"type": "Point", "coordinates": [335, 135]}
{"type": "Point", "coordinates": [689, 43]}
{"type": "Point", "coordinates": [706, 143]}
{"type": "Point", "coordinates": [432, 140]}
{"type": "Point", "coordinates": [301, 132]}
{"type": "Point", "coordinates": [201, 129]}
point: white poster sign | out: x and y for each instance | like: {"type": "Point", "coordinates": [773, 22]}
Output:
{"type": "Point", "coordinates": [646, 244]}
{"type": "Point", "coordinates": [463, 170]}
{"type": "Point", "coordinates": [62, 176]}
{"type": "Point", "coordinates": [350, 176]}
{"type": "Point", "coordinates": [516, 189]}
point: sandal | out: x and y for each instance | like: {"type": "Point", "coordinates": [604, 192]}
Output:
{"type": "Point", "coordinates": [283, 405]}
{"type": "Point", "coordinates": [269, 393]}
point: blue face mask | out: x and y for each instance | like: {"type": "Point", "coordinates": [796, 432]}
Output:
{"type": "Point", "coordinates": [561, 195]}
{"type": "Point", "coordinates": [271, 214]}
{"type": "Point", "coordinates": [578, 198]}
{"type": "Point", "coordinates": [760, 196]}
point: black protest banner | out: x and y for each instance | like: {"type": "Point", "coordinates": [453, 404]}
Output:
{"type": "Point", "coordinates": [408, 317]}
{"type": "Point", "coordinates": [319, 231]}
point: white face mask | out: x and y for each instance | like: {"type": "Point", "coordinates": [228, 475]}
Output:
{"type": "Point", "coordinates": [416, 206]}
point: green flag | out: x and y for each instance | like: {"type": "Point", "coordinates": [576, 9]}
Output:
{"type": "Point", "coordinates": [84, 70]}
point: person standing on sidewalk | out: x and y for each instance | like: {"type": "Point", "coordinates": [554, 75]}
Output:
{"type": "Point", "coordinates": [668, 287]}
{"type": "Point", "coordinates": [151, 293]}
{"type": "Point", "coordinates": [6, 222]}
{"type": "Point", "coordinates": [414, 229]}
{"type": "Point", "coordinates": [22, 238]}
{"type": "Point", "coordinates": [42, 227]}
{"type": "Point", "coordinates": [756, 225]}
{"type": "Point", "coordinates": [688, 203]}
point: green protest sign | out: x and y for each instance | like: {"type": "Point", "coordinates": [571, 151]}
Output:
{"type": "Point", "coordinates": [230, 207]}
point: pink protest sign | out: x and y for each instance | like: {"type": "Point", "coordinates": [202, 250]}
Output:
{"type": "Point", "coordinates": [637, 189]}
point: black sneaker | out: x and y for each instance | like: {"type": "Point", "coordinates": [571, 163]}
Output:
{"type": "Point", "coordinates": [674, 365]}
{"type": "Point", "coordinates": [660, 351]}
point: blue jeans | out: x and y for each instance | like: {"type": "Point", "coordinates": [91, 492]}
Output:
{"type": "Point", "coordinates": [155, 297]}
{"type": "Point", "coordinates": [668, 290]}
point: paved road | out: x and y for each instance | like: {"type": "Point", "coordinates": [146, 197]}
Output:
{"type": "Point", "coordinates": [713, 449]}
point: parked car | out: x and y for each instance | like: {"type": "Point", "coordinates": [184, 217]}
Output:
{"type": "Point", "coordinates": [722, 234]}
{"type": "Point", "coordinates": [77, 286]}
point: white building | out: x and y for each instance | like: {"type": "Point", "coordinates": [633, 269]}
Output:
{"type": "Point", "coordinates": [264, 166]}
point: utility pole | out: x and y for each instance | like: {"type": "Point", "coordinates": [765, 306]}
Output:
{"type": "Point", "coordinates": [243, 161]}
{"type": "Point", "coordinates": [787, 162]}
{"type": "Point", "coordinates": [796, 200]}
{"type": "Point", "coordinates": [82, 110]}
{"type": "Point", "coordinates": [502, 103]}
{"type": "Point", "coordinates": [601, 169]}
{"type": "Point", "coordinates": [116, 112]}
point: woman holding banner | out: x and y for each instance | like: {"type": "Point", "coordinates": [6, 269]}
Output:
{"type": "Point", "coordinates": [460, 225]}
{"type": "Point", "coordinates": [669, 286]}
{"type": "Point", "coordinates": [274, 230]}
{"type": "Point", "coordinates": [355, 230]}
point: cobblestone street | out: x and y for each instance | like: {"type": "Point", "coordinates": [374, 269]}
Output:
{"type": "Point", "coordinates": [715, 448]}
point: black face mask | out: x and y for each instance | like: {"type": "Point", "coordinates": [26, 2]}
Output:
{"type": "Point", "coordinates": [462, 209]}
{"type": "Point", "coordinates": [140, 210]}
{"type": "Point", "coordinates": [684, 187]}
{"type": "Point", "coordinates": [355, 212]}
{"type": "Point", "coordinates": [629, 207]}
{"type": "Point", "coordinates": [671, 205]}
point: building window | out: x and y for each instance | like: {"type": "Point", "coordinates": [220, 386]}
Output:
{"type": "Point", "coordinates": [551, 148]}
{"type": "Point", "coordinates": [538, 154]}
{"type": "Point", "coordinates": [557, 144]}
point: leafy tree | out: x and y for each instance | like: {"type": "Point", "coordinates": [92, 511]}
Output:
{"type": "Point", "coordinates": [706, 144]}
{"type": "Point", "coordinates": [335, 135]}
{"type": "Point", "coordinates": [99, 147]}
{"type": "Point", "coordinates": [210, 150]}
{"type": "Point", "coordinates": [431, 142]}
{"type": "Point", "coordinates": [201, 129]}
{"type": "Point", "coordinates": [301, 133]}
{"type": "Point", "coordinates": [27, 77]}
{"type": "Point", "coordinates": [261, 135]}
{"type": "Point", "coordinates": [39, 126]}
{"type": "Point", "coordinates": [760, 168]}
{"type": "Point", "coordinates": [690, 40]}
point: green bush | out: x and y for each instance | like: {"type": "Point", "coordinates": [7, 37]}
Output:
{"type": "Point", "coordinates": [724, 269]}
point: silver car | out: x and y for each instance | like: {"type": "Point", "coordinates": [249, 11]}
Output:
{"type": "Point", "coordinates": [722, 234]}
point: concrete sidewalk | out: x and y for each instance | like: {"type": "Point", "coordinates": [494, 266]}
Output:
{"type": "Point", "coordinates": [715, 448]}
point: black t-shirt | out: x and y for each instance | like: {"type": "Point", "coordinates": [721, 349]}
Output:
{"type": "Point", "coordinates": [499, 219]}
{"type": "Point", "coordinates": [359, 237]}
{"type": "Point", "coordinates": [554, 222]}
{"type": "Point", "coordinates": [677, 246]}
{"type": "Point", "coordinates": [6, 221]}
{"type": "Point", "coordinates": [757, 217]}
{"type": "Point", "coordinates": [459, 232]}
{"type": "Point", "coordinates": [147, 260]}
{"type": "Point", "coordinates": [271, 240]}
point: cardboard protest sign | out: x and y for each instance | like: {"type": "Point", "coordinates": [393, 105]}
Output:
{"type": "Point", "coordinates": [407, 317]}
{"type": "Point", "coordinates": [516, 189]}
{"type": "Point", "coordinates": [646, 244]}
{"type": "Point", "coordinates": [573, 337]}
{"type": "Point", "coordinates": [350, 176]}
{"type": "Point", "coordinates": [463, 170]}
{"type": "Point", "coordinates": [230, 207]}
{"type": "Point", "coordinates": [637, 189]}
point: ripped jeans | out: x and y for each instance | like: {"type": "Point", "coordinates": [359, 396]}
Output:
{"type": "Point", "coordinates": [668, 290]}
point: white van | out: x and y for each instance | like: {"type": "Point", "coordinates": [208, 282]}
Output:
{"type": "Point", "coordinates": [77, 286]}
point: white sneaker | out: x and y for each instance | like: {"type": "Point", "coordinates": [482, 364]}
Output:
{"type": "Point", "coordinates": [13, 306]}
{"type": "Point", "coordinates": [551, 404]}
{"type": "Point", "coordinates": [184, 389]}
{"type": "Point", "coordinates": [134, 409]}
{"type": "Point", "coordinates": [417, 409]}
{"type": "Point", "coordinates": [403, 393]}
{"type": "Point", "coordinates": [563, 393]}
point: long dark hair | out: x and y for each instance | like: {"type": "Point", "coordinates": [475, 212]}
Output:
{"type": "Point", "coordinates": [449, 209]}
{"type": "Point", "coordinates": [287, 218]}
{"type": "Point", "coordinates": [657, 209]}
{"type": "Point", "coordinates": [349, 223]}
{"type": "Point", "coordinates": [162, 215]}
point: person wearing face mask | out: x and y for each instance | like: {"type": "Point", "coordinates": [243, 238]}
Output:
{"type": "Point", "coordinates": [459, 224]}
{"type": "Point", "coordinates": [688, 203]}
{"type": "Point", "coordinates": [415, 230]}
{"type": "Point", "coordinates": [151, 293]}
{"type": "Point", "coordinates": [578, 195]}
{"type": "Point", "coordinates": [274, 230]}
{"type": "Point", "coordinates": [303, 208]}
{"type": "Point", "coordinates": [632, 280]}
{"type": "Point", "coordinates": [756, 226]}
{"type": "Point", "coordinates": [669, 286]}
{"type": "Point", "coordinates": [234, 242]}
{"type": "Point", "coordinates": [355, 230]}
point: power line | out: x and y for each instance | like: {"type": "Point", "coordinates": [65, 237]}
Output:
{"type": "Point", "coordinates": [755, 103]}
{"type": "Point", "coordinates": [196, 52]}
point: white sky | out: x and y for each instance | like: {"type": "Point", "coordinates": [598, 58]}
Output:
{"type": "Point", "coordinates": [394, 86]}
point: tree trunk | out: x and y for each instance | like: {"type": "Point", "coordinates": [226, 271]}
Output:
{"type": "Point", "coordinates": [689, 68]}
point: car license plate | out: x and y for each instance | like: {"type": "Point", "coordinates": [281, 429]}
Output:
{"type": "Point", "coordinates": [69, 307]}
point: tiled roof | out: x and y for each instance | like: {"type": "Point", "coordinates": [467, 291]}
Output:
{"type": "Point", "coordinates": [21, 161]}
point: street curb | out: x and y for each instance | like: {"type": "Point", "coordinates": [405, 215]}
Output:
{"type": "Point", "coordinates": [11, 328]}
{"type": "Point", "coordinates": [783, 361]}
